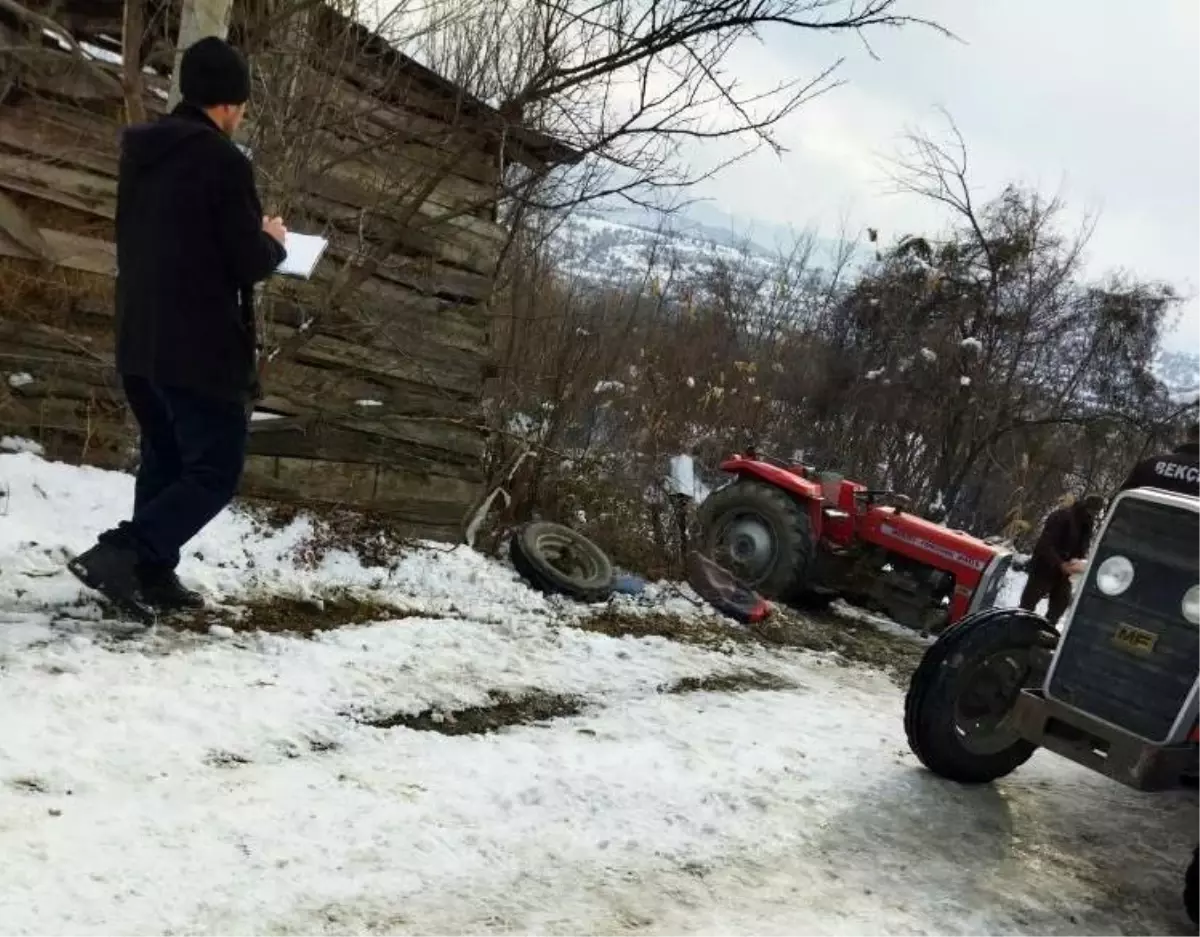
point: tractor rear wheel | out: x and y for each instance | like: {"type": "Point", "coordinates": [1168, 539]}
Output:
{"type": "Point", "coordinates": [761, 535]}
{"type": "Point", "coordinates": [960, 701]}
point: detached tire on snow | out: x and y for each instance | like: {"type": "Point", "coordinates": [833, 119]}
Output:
{"type": "Point", "coordinates": [556, 559]}
{"type": "Point", "coordinates": [761, 535]}
{"type": "Point", "coordinates": [957, 713]}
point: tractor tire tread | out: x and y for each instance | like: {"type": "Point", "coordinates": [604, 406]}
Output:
{"type": "Point", "coordinates": [928, 704]}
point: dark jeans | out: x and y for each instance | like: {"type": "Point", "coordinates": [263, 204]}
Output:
{"type": "Point", "coordinates": [193, 449]}
{"type": "Point", "coordinates": [1047, 584]}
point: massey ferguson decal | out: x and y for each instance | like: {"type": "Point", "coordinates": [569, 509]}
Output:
{"type": "Point", "coordinates": [933, 547]}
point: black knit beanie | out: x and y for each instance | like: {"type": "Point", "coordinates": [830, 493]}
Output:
{"type": "Point", "coordinates": [213, 72]}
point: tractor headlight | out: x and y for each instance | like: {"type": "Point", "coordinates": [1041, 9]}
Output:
{"type": "Point", "coordinates": [1190, 606]}
{"type": "Point", "coordinates": [1115, 575]}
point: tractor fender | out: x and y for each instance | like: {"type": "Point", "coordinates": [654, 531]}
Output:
{"type": "Point", "coordinates": [800, 490]}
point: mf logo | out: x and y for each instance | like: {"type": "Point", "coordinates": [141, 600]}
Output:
{"type": "Point", "coordinates": [1134, 640]}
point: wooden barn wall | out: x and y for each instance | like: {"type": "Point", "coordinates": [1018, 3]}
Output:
{"type": "Point", "coordinates": [378, 410]}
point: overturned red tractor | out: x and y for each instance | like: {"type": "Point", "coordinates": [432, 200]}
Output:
{"type": "Point", "coordinates": [806, 538]}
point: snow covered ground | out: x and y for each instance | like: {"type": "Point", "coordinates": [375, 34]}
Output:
{"type": "Point", "coordinates": [242, 782]}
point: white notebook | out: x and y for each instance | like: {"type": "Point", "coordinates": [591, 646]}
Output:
{"type": "Point", "coordinates": [304, 251]}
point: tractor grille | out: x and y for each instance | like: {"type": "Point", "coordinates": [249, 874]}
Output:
{"type": "Point", "coordinates": [1140, 691]}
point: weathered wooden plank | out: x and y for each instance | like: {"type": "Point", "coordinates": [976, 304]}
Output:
{"type": "Point", "coordinates": [69, 366]}
{"type": "Point", "coordinates": [385, 314]}
{"type": "Point", "coordinates": [403, 88]}
{"type": "Point", "coordinates": [425, 243]}
{"type": "Point", "coordinates": [381, 365]}
{"type": "Point", "coordinates": [422, 445]}
{"type": "Point", "coordinates": [24, 336]}
{"type": "Point", "coordinates": [446, 343]}
{"type": "Point", "coordinates": [81, 189]}
{"type": "Point", "coordinates": [429, 439]}
{"type": "Point", "coordinates": [431, 278]}
{"type": "Point", "coordinates": [382, 186]}
{"type": "Point", "coordinates": [428, 141]}
{"type": "Point", "coordinates": [54, 195]}
{"type": "Point", "coordinates": [57, 142]}
{"type": "Point", "coordinates": [289, 479]}
{"type": "Point", "coordinates": [391, 318]}
{"type": "Point", "coordinates": [396, 485]}
{"type": "Point", "coordinates": [18, 228]}
{"type": "Point", "coordinates": [372, 218]}
{"type": "Point", "coordinates": [70, 84]}
{"type": "Point", "coordinates": [97, 256]}
{"type": "Point", "coordinates": [428, 503]}
{"type": "Point", "coordinates": [73, 251]}
{"type": "Point", "coordinates": [294, 388]}
{"type": "Point", "coordinates": [369, 165]}
{"type": "Point", "coordinates": [55, 386]}
{"type": "Point", "coordinates": [97, 421]}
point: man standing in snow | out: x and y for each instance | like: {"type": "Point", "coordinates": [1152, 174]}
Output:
{"type": "Point", "coordinates": [192, 241]}
{"type": "Point", "coordinates": [1178, 470]}
{"type": "Point", "coordinates": [1058, 555]}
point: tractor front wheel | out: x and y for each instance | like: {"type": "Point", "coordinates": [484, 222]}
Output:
{"type": "Point", "coordinates": [960, 702]}
{"type": "Point", "coordinates": [761, 535]}
{"type": "Point", "coordinates": [1191, 888]}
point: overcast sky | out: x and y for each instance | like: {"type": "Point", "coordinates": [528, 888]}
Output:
{"type": "Point", "coordinates": [1098, 100]}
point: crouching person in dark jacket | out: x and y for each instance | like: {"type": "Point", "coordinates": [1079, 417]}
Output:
{"type": "Point", "coordinates": [1058, 556]}
{"type": "Point", "coordinates": [191, 243]}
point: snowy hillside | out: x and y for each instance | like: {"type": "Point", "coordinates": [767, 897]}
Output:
{"type": "Point", "coordinates": [346, 778]}
{"type": "Point", "coordinates": [1180, 371]}
{"type": "Point", "coordinates": [602, 249]}
{"type": "Point", "coordinates": [615, 247]}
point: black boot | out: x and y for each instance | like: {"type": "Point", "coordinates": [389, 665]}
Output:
{"type": "Point", "coordinates": [112, 571]}
{"type": "Point", "coordinates": [163, 590]}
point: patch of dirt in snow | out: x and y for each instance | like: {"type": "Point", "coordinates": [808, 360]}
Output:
{"type": "Point", "coordinates": [224, 759]}
{"type": "Point", "coordinates": [850, 640]}
{"type": "Point", "coordinates": [281, 614]}
{"type": "Point", "coordinates": [737, 681]}
{"type": "Point", "coordinates": [374, 540]}
{"type": "Point", "coordinates": [618, 622]}
{"type": "Point", "coordinates": [28, 785]}
{"type": "Point", "coordinates": [501, 711]}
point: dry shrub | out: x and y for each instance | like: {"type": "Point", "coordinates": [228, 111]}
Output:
{"type": "Point", "coordinates": [47, 295]}
{"type": "Point", "coordinates": [374, 539]}
{"type": "Point", "coordinates": [613, 512]}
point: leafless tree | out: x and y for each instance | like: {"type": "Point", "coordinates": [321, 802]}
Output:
{"type": "Point", "coordinates": [631, 81]}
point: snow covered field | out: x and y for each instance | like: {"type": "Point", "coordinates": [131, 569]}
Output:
{"type": "Point", "coordinates": [249, 783]}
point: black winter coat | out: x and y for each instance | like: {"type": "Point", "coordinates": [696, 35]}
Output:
{"type": "Point", "coordinates": [1172, 471]}
{"type": "Point", "coordinates": [1066, 536]}
{"type": "Point", "coordinates": [190, 247]}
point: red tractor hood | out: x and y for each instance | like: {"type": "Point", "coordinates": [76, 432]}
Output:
{"type": "Point", "coordinates": [940, 546]}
